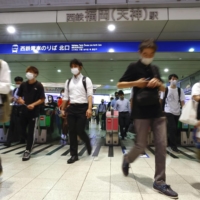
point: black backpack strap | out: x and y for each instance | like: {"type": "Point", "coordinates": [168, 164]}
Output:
{"type": "Point", "coordinates": [164, 99]}
{"type": "Point", "coordinates": [84, 83]}
{"type": "Point", "coordinates": [68, 84]}
{"type": "Point", "coordinates": [179, 94]}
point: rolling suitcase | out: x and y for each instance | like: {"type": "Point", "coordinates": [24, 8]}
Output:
{"type": "Point", "coordinates": [112, 127]}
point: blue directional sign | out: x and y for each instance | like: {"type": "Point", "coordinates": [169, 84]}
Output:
{"type": "Point", "coordinates": [95, 47]}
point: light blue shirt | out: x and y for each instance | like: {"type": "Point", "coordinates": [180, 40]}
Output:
{"type": "Point", "coordinates": [122, 105]}
{"type": "Point", "coordinates": [113, 102]}
{"type": "Point", "coordinates": [102, 108]}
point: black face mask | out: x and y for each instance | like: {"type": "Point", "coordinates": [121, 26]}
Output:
{"type": "Point", "coordinates": [102, 102]}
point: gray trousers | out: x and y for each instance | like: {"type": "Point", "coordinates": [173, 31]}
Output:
{"type": "Point", "coordinates": [158, 126]}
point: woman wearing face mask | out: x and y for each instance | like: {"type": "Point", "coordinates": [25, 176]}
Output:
{"type": "Point", "coordinates": [31, 96]}
{"type": "Point", "coordinates": [173, 99]}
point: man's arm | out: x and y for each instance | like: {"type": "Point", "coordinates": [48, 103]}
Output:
{"type": "Point", "coordinates": [5, 80]}
{"type": "Point", "coordinates": [141, 83]}
{"type": "Point", "coordinates": [65, 100]}
{"type": "Point", "coordinates": [196, 98]}
{"type": "Point", "coordinates": [89, 95]}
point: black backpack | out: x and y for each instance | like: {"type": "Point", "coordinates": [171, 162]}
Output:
{"type": "Point", "coordinates": [166, 93]}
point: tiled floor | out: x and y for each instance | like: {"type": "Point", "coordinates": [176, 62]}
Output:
{"type": "Point", "coordinates": [93, 177]}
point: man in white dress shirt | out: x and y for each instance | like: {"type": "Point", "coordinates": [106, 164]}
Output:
{"type": "Point", "coordinates": [79, 91]}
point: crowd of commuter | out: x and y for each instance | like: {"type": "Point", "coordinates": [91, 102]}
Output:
{"type": "Point", "coordinates": [151, 106]}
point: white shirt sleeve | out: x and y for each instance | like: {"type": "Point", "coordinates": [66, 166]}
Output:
{"type": "Point", "coordinates": [66, 95]}
{"type": "Point", "coordinates": [182, 98]}
{"type": "Point", "coordinates": [89, 87]}
{"type": "Point", "coordinates": [5, 80]}
{"type": "Point", "coordinates": [196, 89]}
{"type": "Point", "coordinates": [162, 94]}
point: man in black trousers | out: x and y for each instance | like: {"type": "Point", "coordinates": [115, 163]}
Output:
{"type": "Point", "coordinates": [79, 91]}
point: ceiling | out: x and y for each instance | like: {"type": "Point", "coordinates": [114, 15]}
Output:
{"type": "Point", "coordinates": [101, 68]}
{"type": "Point", "coordinates": [33, 5]}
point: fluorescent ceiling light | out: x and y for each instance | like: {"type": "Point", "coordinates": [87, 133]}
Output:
{"type": "Point", "coordinates": [111, 80]}
{"type": "Point", "coordinates": [111, 27]}
{"type": "Point", "coordinates": [111, 50]}
{"type": "Point", "coordinates": [166, 70]}
{"type": "Point", "coordinates": [11, 29]}
{"type": "Point", "coordinates": [59, 70]}
{"type": "Point", "coordinates": [9, 71]}
{"type": "Point", "coordinates": [191, 50]}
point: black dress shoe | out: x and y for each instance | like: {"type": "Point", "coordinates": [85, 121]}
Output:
{"type": "Point", "coordinates": [125, 167]}
{"type": "Point", "coordinates": [72, 159]}
{"type": "Point", "coordinates": [89, 149]}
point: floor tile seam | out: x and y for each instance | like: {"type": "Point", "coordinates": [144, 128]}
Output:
{"type": "Point", "coordinates": [85, 179]}
{"type": "Point", "coordinates": [16, 173]}
{"type": "Point", "coordinates": [14, 193]}
{"type": "Point", "coordinates": [52, 164]}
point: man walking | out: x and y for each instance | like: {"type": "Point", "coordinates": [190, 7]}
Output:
{"type": "Point", "coordinates": [15, 128]}
{"type": "Point", "coordinates": [31, 96]}
{"type": "Point", "coordinates": [79, 91]}
{"type": "Point", "coordinates": [146, 111]}
{"type": "Point", "coordinates": [123, 106]}
{"type": "Point", "coordinates": [101, 112]}
{"type": "Point", "coordinates": [173, 99]}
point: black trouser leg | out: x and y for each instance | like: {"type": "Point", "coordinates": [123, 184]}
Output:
{"type": "Point", "coordinates": [77, 120]}
{"type": "Point", "coordinates": [172, 129]}
{"type": "Point", "coordinates": [80, 129]}
{"type": "Point", "coordinates": [71, 119]}
{"type": "Point", "coordinates": [127, 122]}
{"type": "Point", "coordinates": [31, 124]}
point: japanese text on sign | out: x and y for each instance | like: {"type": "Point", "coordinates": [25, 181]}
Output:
{"type": "Point", "coordinates": [133, 14]}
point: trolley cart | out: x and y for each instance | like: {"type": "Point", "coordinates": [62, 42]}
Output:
{"type": "Point", "coordinates": [112, 127]}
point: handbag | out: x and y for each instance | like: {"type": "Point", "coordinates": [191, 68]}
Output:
{"type": "Point", "coordinates": [189, 113]}
{"type": "Point", "coordinates": [147, 97]}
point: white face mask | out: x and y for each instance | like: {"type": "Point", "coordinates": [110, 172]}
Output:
{"type": "Point", "coordinates": [173, 82]}
{"type": "Point", "coordinates": [29, 76]}
{"type": "Point", "coordinates": [17, 86]}
{"type": "Point", "coordinates": [75, 71]}
{"type": "Point", "coordinates": [62, 95]}
{"type": "Point", "coordinates": [147, 61]}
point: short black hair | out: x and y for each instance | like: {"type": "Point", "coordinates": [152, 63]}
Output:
{"type": "Point", "coordinates": [120, 92]}
{"type": "Point", "coordinates": [172, 75]}
{"type": "Point", "coordinates": [33, 69]}
{"type": "Point", "coordinates": [18, 78]}
{"type": "Point", "coordinates": [150, 43]}
{"type": "Point", "coordinates": [76, 62]}
{"type": "Point", "coordinates": [111, 98]}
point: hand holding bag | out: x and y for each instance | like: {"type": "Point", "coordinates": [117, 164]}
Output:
{"type": "Point", "coordinates": [189, 113]}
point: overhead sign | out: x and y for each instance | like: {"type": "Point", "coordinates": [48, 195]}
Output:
{"type": "Point", "coordinates": [121, 14]}
{"type": "Point", "coordinates": [95, 47]}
